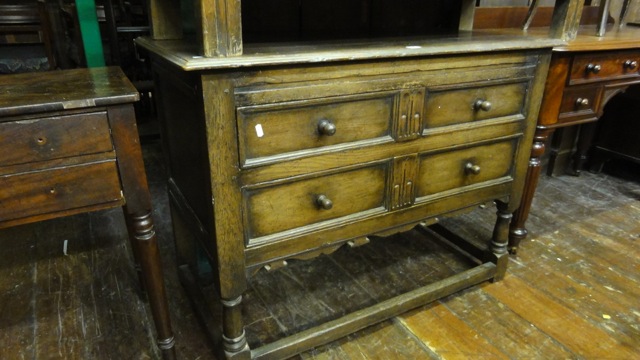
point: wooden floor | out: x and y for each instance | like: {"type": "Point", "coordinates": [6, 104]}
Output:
{"type": "Point", "coordinates": [68, 289]}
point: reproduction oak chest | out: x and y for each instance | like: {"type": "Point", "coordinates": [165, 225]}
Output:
{"type": "Point", "coordinates": [300, 127]}
{"type": "Point", "coordinates": [278, 163]}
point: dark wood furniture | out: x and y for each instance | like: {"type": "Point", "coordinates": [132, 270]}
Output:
{"type": "Point", "coordinates": [292, 128]}
{"type": "Point", "coordinates": [24, 23]}
{"type": "Point", "coordinates": [70, 145]}
{"type": "Point", "coordinates": [583, 76]}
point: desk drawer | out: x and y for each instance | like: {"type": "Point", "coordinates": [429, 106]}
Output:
{"type": "Point", "coordinates": [53, 138]}
{"type": "Point", "coordinates": [456, 169]}
{"type": "Point", "coordinates": [579, 102]}
{"type": "Point", "coordinates": [58, 189]}
{"type": "Point", "coordinates": [457, 106]}
{"type": "Point", "coordinates": [293, 205]}
{"type": "Point", "coordinates": [271, 130]}
{"type": "Point", "coordinates": [605, 66]}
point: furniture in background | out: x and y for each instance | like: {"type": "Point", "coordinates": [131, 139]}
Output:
{"type": "Point", "coordinates": [604, 8]}
{"type": "Point", "coordinates": [284, 143]}
{"type": "Point", "coordinates": [26, 33]}
{"type": "Point", "coordinates": [583, 76]}
{"type": "Point", "coordinates": [70, 145]}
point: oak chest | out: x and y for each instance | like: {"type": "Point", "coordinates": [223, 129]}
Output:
{"type": "Point", "coordinates": [270, 163]}
{"type": "Point", "coordinates": [294, 127]}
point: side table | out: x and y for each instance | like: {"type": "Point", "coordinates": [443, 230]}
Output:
{"type": "Point", "coordinates": [69, 144]}
{"type": "Point", "coordinates": [583, 76]}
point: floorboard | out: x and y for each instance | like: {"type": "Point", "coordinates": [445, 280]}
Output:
{"type": "Point", "coordinates": [68, 288]}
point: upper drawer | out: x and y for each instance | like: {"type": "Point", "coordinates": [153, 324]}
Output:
{"type": "Point", "coordinates": [53, 138]}
{"type": "Point", "coordinates": [605, 66]}
{"type": "Point", "coordinates": [267, 131]}
{"type": "Point", "coordinates": [460, 168]}
{"type": "Point", "coordinates": [296, 204]}
{"type": "Point", "coordinates": [456, 106]}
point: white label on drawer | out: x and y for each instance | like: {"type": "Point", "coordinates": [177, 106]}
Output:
{"type": "Point", "coordinates": [259, 131]}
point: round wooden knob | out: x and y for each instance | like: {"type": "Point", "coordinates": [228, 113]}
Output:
{"type": "Point", "coordinates": [593, 68]}
{"type": "Point", "coordinates": [326, 127]}
{"type": "Point", "coordinates": [324, 202]}
{"type": "Point", "coordinates": [471, 168]}
{"type": "Point", "coordinates": [582, 102]}
{"type": "Point", "coordinates": [630, 64]}
{"type": "Point", "coordinates": [483, 105]}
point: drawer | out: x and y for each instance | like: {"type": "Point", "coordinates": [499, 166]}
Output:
{"type": "Point", "coordinates": [605, 66]}
{"type": "Point", "coordinates": [457, 106]}
{"type": "Point", "coordinates": [53, 138]}
{"type": "Point", "coordinates": [456, 169]}
{"type": "Point", "coordinates": [269, 131]}
{"type": "Point", "coordinates": [297, 204]}
{"type": "Point", "coordinates": [579, 102]}
{"type": "Point", "coordinates": [59, 189]}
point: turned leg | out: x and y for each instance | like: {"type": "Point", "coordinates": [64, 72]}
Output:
{"type": "Point", "coordinates": [585, 138]}
{"type": "Point", "coordinates": [137, 212]}
{"type": "Point", "coordinates": [145, 249]}
{"type": "Point", "coordinates": [234, 341]}
{"type": "Point", "coordinates": [518, 232]}
{"type": "Point", "coordinates": [500, 239]}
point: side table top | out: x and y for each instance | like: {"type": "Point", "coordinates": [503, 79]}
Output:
{"type": "Point", "coordinates": [28, 93]}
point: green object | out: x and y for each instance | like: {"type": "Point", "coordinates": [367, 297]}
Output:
{"type": "Point", "coordinates": [90, 31]}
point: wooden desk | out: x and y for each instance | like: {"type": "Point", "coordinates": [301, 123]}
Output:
{"type": "Point", "coordinates": [69, 144]}
{"type": "Point", "coordinates": [583, 76]}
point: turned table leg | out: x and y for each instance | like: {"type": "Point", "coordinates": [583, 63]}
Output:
{"type": "Point", "coordinates": [500, 239]}
{"type": "Point", "coordinates": [137, 212]}
{"type": "Point", "coordinates": [518, 232]}
{"type": "Point", "coordinates": [147, 256]}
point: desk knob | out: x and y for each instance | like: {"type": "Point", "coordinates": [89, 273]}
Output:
{"type": "Point", "coordinates": [582, 102]}
{"type": "Point", "coordinates": [593, 68]}
{"type": "Point", "coordinates": [471, 168]}
{"type": "Point", "coordinates": [326, 127]}
{"type": "Point", "coordinates": [324, 202]}
{"type": "Point", "coordinates": [630, 64]}
{"type": "Point", "coordinates": [483, 105]}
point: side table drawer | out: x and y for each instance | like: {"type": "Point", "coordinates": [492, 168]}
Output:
{"type": "Point", "coordinates": [579, 102]}
{"type": "Point", "coordinates": [296, 204]}
{"type": "Point", "coordinates": [58, 189]}
{"type": "Point", "coordinates": [606, 66]}
{"type": "Point", "coordinates": [50, 138]}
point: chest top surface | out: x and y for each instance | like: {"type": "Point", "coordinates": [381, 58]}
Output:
{"type": "Point", "coordinates": [64, 90]}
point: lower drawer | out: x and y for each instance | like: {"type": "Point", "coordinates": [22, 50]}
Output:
{"type": "Point", "coordinates": [455, 170]}
{"type": "Point", "coordinates": [304, 203]}
{"type": "Point", "coordinates": [59, 189]}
